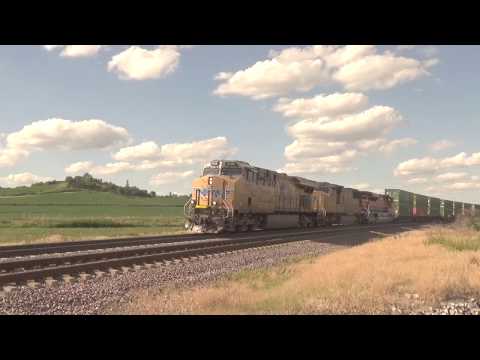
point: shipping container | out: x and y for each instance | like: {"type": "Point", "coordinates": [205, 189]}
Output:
{"type": "Point", "coordinates": [420, 205]}
{"type": "Point", "coordinates": [466, 209]}
{"type": "Point", "coordinates": [477, 209]}
{"type": "Point", "coordinates": [457, 208]}
{"type": "Point", "coordinates": [402, 202]}
{"type": "Point", "coordinates": [446, 209]}
{"type": "Point", "coordinates": [434, 209]}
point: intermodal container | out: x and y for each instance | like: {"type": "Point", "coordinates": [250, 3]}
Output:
{"type": "Point", "coordinates": [468, 209]}
{"type": "Point", "coordinates": [434, 207]}
{"type": "Point", "coordinates": [457, 208]}
{"type": "Point", "coordinates": [420, 205]}
{"type": "Point", "coordinates": [446, 209]}
{"type": "Point", "coordinates": [402, 202]}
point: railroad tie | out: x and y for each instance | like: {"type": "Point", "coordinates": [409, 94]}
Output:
{"type": "Point", "coordinates": [84, 276]}
{"type": "Point", "coordinates": [49, 282]}
{"type": "Point", "coordinates": [9, 288]}
{"type": "Point", "coordinates": [99, 273]}
{"type": "Point", "coordinates": [32, 284]}
{"type": "Point", "coordinates": [67, 278]}
{"type": "Point", "coordinates": [112, 271]}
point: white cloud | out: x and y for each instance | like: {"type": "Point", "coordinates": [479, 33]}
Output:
{"type": "Point", "coordinates": [460, 159]}
{"type": "Point", "coordinates": [379, 72]}
{"type": "Point", "coordinates": [68, 135]}
{"type": "Point", "coordinates": [362, 186]}
{"type": "Point", "coordinates": [372, 144]}
{"type": "Point", "coordinates": [463, 186]}
{"type": "Point", "coordinates": [149, 156]}
{"type": "Point", "coordinates": [170, 177]}
{"type": "Point", "coordinates": [356, 67]}
{"type": "Point", "coordinates": [60, 134]}
{"type": "Point", "coordinates": [425, 165]}
{"type": "Point", "coordinates": [112, 168]}
{"type": "Point", "coordinates": [312, 148]}
{"type": "Point", "coordinates": [332, 164]}
{"type": "Point", "coordinates": [136, 63]}
{"type": "Point", "coordinates": [23, 179]}
{"type": "Point", "coordinates": [183, 153]}
{"type": "Point", "coordinates": [370, 124]}
{"type": "Point", "coordinates": [441, 145]}
{"type": "Point", "coordinates": [432, 165]}
{"type": "Point", "coordinates": [393, 145]}
{"type": "Point", "coordinates": [10, 157]}
{"type": "Point", "coordinates": [420, 180]}
{"type": "Point", "coordinates": [144, 151]}
{"type": "Point", "coordinates": [451, 176]}
{"type": "Point", "coordinates": [384, 145]}
{"type": "Point", "coordinates": [331, 128]}
{"type": "Point", "coordinates": [83, 167]}
{"type": "Point", "coordinates": [294, 69]}
{"type": "Point", "coordinates": [75, 50]}
{"type": "Point", "coordinates": [79, 168]}
{"type": "Point", "coordinates": [322, 105]}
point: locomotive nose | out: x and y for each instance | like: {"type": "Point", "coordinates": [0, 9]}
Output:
{"type": "Point", "coordinates": [208, 192]}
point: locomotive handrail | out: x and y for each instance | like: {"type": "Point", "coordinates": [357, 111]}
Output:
{"type": "Point", "coordinates": [228, 207]}
{"type": "Point", "coordinates": [189, 204]}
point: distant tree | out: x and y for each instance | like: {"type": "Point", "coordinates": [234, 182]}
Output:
{"type": "Point", "coordinates": [88, 182]}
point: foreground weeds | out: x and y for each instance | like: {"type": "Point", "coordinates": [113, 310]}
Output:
{"type": "Point", "coordinates": [428, 266]}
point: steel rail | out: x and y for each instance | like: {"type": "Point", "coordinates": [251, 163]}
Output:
{"type": "Point", "coordinates": [21, 270]}
{"type": "Point", "coordinates": [75, 246]}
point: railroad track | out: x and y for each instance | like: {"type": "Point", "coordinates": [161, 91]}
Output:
{"type": "Point", "coordinates": [87, 245]}
{"type": "Point", "coordinates": [112, 258]}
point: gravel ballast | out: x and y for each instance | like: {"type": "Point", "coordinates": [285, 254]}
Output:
{"type": "Point", "coordinates": [101, 295]}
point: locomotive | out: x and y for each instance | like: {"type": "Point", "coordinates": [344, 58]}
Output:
{"type": "Point", "coordinates": [234, 196]}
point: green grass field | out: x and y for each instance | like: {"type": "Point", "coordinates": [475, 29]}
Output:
{"type": "Point", "coordinates": [52, 213]}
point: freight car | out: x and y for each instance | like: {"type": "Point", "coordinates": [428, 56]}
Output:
{"type": "Point", "coordinates": [235, 196]}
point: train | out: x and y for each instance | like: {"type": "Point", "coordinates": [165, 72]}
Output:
{"type": "Point", "coordinates": [234, 196]}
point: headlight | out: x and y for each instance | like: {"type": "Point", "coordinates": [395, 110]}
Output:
{"type": "Point", "coordinates": [214, 203]}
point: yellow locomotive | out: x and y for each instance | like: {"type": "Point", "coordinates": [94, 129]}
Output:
{"type": "Point", "coordinates": [235, 196]}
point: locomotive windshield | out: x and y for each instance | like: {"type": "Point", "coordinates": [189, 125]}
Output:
{"type": "Point", "coordinates": [232, 171]}
{"type": "Point", "coordinates": [210, 171]}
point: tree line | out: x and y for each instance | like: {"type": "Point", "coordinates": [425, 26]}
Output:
{"type": "Point", "coordinates": [88, 182]}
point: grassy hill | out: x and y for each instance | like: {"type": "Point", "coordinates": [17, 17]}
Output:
{"type": "Point", "coordinates": [42, 188]}
{"type": "Point", "coordinates": [66, 210]}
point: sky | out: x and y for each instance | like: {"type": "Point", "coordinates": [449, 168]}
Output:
{"type": "Point", "coordinates": [370, 117]}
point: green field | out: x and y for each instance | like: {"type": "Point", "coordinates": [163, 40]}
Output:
{"type": "Point", "coordinates": [46, 213]}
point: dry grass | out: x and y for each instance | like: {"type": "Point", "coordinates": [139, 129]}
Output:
{"type": "Point", "coordinates": [367, 279]}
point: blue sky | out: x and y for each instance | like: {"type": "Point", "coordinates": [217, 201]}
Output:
{"type": "Point", "coordinates": [374, 117]}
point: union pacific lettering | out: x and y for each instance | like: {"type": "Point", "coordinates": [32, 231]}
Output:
{"type": "Point", "coordinates": [213, 192]}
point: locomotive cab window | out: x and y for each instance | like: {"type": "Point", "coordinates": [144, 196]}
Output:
{"type": "Point", "coordinates": [210, 171]}
{"type": "Point", "coordinates": [231, 171]}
